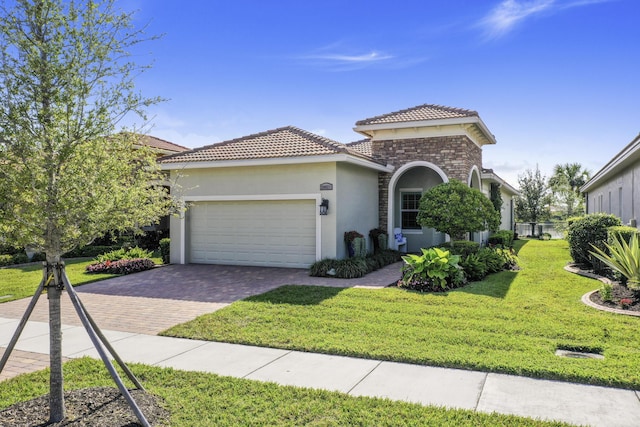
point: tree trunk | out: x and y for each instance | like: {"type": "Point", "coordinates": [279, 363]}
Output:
{"type": "Point", "coordinates": [56, 391]}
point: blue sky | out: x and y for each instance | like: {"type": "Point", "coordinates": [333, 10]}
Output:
{"type": "Point", "coordinates": [555, 81]}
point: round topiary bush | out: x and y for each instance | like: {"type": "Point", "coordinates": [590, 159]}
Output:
{"type": "Point", "coordinates": [590, 230]}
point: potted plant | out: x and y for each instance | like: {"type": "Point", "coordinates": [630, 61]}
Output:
{"type": "Point", "coordinates": [349, 238]}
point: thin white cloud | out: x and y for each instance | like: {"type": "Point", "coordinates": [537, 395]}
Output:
{"type": "Point", "coordinates": [510, 13]}
{"type": "Point", "coordinates": [346, 59]}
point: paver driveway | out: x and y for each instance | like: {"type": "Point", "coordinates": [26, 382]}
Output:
{"type": "Point", "coordinates": [152, 301]}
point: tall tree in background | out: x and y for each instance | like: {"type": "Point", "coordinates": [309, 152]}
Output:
{"type": "Point", "coordinates": [532, 205]}
{"type": "Point", "coordinates": [68, 174]}
{"type": "Point", "coordinates": [565, 184]}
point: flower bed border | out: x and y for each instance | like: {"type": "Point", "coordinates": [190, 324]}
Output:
{"type": "Point", "coordinates": [586, 298]}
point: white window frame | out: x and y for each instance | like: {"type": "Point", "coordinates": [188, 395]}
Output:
{"type": "Point", "coordinates": [404, 191]}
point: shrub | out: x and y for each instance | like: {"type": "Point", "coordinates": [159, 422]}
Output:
{"type": "Point", "coordinates": [587, 231]}
{"type": "Point", "coordinates": [165, 250]}
{"type": "Point", "coordinates": [391, 256]}
{"type": "Point", "coordinates": [132, 253]}
{"type": "Point", "coordinates": [461, 247]}
{"type": "Point", "coordinates": [606, 292]}
{"type": "Point", "coordinates": [123, 266]}
{"type": "Point", "coordinates": [434, 270]}
{"type": "Point", "coordinates": [502, 238]}
{"type": "Point", "coordinates": [90, 251]}
{"type": "Point", "coordinates": [624, 232]}
{"type": "Point", "coordinates": [351, 268]}
{"type": "Point", "coordinates": [6, 259]}
{"type": "Point", "coordinates": [38, 257]}
{"type": "Point", "coordinates": [323, 267]}
{"type": "Point", "coordinates": [373, 262]}
{"type": "Point", "coordinates": [492, 259]}
{"type": "Point", "coordinates": [20, 258]}
{"type": "Point", "coordinates": [474, 267]}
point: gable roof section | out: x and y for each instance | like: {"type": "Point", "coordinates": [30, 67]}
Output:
{"type": "Point", "coordinates": [363, 146]}
{"type": "Point", "coordinates": [420, 113]}
{"type": "Point", "coordinates": [285, 143]}
{"type": "Point", "coordinates": [426, 120]}
{"type": "Point", "coordinates": [629, 155]}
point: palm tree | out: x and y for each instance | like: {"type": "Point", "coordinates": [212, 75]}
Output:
{"type": "Point", "coordinates": [566, 182]}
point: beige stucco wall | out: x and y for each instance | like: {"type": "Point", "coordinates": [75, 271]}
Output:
{"type": "Point", "coordinates": [356, 203]}
{"type": "Point", "coordinates": [353, 199]}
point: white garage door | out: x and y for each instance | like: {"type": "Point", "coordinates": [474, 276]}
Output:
{"type": "Point", "coordinates": [274, 233]}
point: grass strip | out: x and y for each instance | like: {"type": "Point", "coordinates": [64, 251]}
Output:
{"type": "Point", "coordinates": [197, 399]}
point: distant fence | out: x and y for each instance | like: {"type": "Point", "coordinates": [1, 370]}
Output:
{"type": "Point", "coordinates": [556, 229]}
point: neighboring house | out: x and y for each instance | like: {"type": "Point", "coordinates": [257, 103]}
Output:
{"type": "Point", "coordinates": [615, 189]}
{"type": "Point", "coordinates": [492, 183]}
{"type": "Point", "coordinates": [285, 197]}
{"type": "Point", "coordinates": [160, 146]}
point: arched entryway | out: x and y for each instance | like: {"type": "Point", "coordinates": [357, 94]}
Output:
{"type": "Point", "coordinates": [406, 187]}
{"type": "Point", "coordinates": [475, 182]}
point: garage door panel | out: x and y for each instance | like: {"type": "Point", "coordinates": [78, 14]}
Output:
{"type": "Point", "coordinates": [266, 233]}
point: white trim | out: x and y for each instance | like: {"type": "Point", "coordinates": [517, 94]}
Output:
{"type": "Point", "coordinates": [409, 191]}
{"type": "Point", "coordinates": [391, 193]}
{"type": "Point", "coordinates": [370, 130]}
{"type": "Point", "coordinates": [347, 158]}
{"type": "Point", "coordinates": [317, 198]}
{"type": "Point", "coordinates": [470, 179]}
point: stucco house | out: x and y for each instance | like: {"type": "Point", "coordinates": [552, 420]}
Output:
{"type": "Point", "coordinates": [615, 189]}
{"type": "Point", "coordinates": [285, 197]}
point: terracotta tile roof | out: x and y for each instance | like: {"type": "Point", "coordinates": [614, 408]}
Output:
{"type": "Point", "coordinates": [282, 142]}
{"type": "Point", "coordinates": [363, 146]}
{"type": "Point", "coordinates": [161, 144]}
{"type": "Point", "coordinates": [419, 113]}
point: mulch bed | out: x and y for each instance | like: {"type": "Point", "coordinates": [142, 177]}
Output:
{"type": "Point", "coordinates": [96, 406]}
{"type": "Point", "coordinates": [619, 292]}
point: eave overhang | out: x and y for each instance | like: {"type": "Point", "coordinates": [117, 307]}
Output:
{"type": "Point", "coordinates": [626, 157]}
{"type": "Point", "coordinates": [330, 158]}
{"type": "Point", "coordinates": [473, 125]}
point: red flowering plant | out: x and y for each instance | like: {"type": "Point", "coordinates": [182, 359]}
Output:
{"type": "Point", "coordinates": [625, 302]}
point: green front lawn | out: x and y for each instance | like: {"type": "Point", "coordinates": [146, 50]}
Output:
{"type": "Point", "coordinates": [22, 282]}
{"type": "Point", "coordinates": [197, 399]}
{"type": "Point", "coordinates": [512, 322]}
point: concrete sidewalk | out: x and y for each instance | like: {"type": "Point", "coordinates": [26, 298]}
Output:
{"type": "Point", "coordinates": [479, 391]}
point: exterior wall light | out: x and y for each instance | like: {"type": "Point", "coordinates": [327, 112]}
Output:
{"type": "Point", "coordinates": [324, 207]}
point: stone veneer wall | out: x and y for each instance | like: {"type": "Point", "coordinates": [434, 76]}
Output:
{"type": "Point", "coordinates": [455, 155]}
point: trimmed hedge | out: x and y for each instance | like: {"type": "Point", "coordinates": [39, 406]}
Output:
{"type": "Point", "coordinates": [502, 238]}
{"type": "Point", "coordinates": [461, 247]}
{"type": "Point", "coordinates": [623, 231]}
{"type": "Point", "coordinates": [590, 230]}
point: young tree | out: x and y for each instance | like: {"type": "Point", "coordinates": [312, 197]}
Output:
{"type": "Point", "coordinates": [565, 184]}
{"type": "Point", "coordinates": [68, 175]}
{"type": "Point", "coordinates": [533, 204]}
{"type": "Point", "coordinates": [456, 209]}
